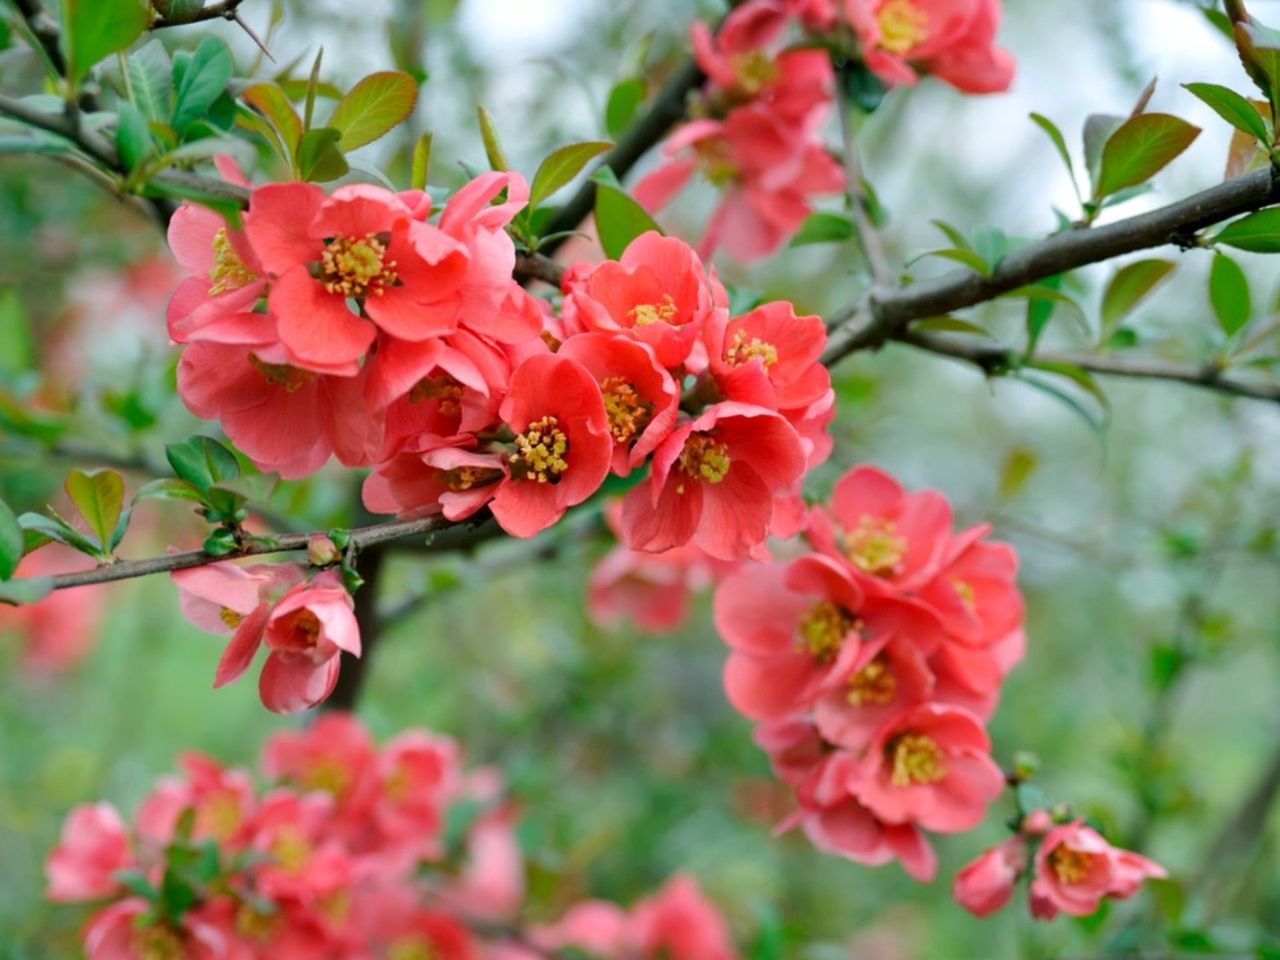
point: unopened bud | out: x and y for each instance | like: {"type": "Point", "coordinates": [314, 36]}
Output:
{"type": "Point", "coordinates": [321, 551]}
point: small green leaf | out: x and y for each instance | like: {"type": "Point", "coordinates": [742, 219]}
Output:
{"type": "Point", "coordinates": [151, 81]}
{"type": "Point", "coordinates": [320, 158]}
{"type": "Point", "coordinates": [203, 80]}
{"type": "Point", "coordinates": [313, 88]}
{"type": "Point", "coordinates": [958, 239]}
{"type": "Point", "coordinates": [133, 137]}
{"type": "Point", "coordinates": [1059, 144]}
{"type": "Point", "coordinates": [1233, 108]}
{"type": "Point", "coordinates": [492, 143]}
{"type": "Point", "coordinates": [1098, 127]}
{"type": "Point", "coordinates": [1131, 284]}
{"type": "Point", "coordinates": [17, 348]}
{"type": "Point", "coordinates": [1139, 149]}
{"type": "Point", "coordinates": [168, 488]}
{"type": "Point", "coordinates": [95, 29]}
{"type": "Point", "coordinates": [202, 462]}
{"type": "Point", "coordinates": [270, 101]}
{"type": "Point", "coordinates": [1229, 294]}
{"type": "Point", "coordinates": [1042, 299]}
{"type": "Point", "coordinates": [966, 257]}
{"type": "Point", "coordinates": [991, 244]}
{"type": "Point", "coordinates": [25, 591]}
{"type": "Point", "coordinates": [373, 107]}
{"type": "Point", "coordinates": [619, 220]}
{"type": "Point", "coordinates": [1259, 48]}
{"type": "Point", "coordinates": [823, 228]}
{"type": "Point", "coordinates": [561, 166]}
{"type": "Point", "coordinates": [1259, 232]}
{"type": "Point", "coordinates": [624, 100]}
{"type": "Point", "coordinates": [949, 325]}
{"type": "Point", "coordinates": [40, 528]}
{"type": "Point", "coordinates": [99, 496]}
{"type": "Point", "coordinates": [11, 542]}
{"type": "Point", "coordinates": [421, 163]}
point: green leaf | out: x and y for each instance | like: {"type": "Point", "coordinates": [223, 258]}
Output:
{"type": "Point", "coordinates": [133, 137]}
{"type": "Point", "coordinates": [99, 496]}
{"type": "Point", "coordinates": [1259, 48]}
{"type": "Point", "coordinates": [561, 166]}
{"type": "Point", "coordinates": [151, 80]}
{"type": "Point", "coordinates": [25, 591]}
{"type": "Point", "coordinates": [1059, 143]}
{"type": "Point", "coordinates": [823, 228]}
{"type": "Point", "coordinates": [168, 488]}
{"type": "Point", "coordinates": [1229, 294]}
{"type": "Point", "coordinates": [11, 542]}
{"type": "Point", "coordinates": [492, 143]}
{"type": "Point", "coordinates": [1259, 232]}
{"type": "Point", "coordinates": [1131, 284]}
{"type": "Point", "coordinates": [421, 163]}
{"type": "Point", "coordinates": [1042, 298]}
{"type": "Point", "coordinates": [624, 100]}
{"type": "Point", "coordinates": [270, 101]}
{"type": "Point", "coordinates": [1098, 127]}
{"type": "Point", "coordinates": [949, 325]}
{"type": "Point", "coordinates": [313, 87]}
{"type": "Point", "coordinates": [94, 29]}
{"type": "Point", "coordinates": [966, 257]}
{"type": "Point", "coordinates": [373, 107]}
{"type": "Point", "coordinates": [1140, 148]}
{"type": "Point", "coordinates": [202, 462]}
{"type": "Point", "coordinates": [619, 220]}
{"type": "Point", "coordinates": [17, 349]}
{"type": "Point", "coordinates": [53, 528]}
{"type": "Point", "coordinates": [958, 239]}
{"type": "Point", "coordinates": [203, 80]}
{"type": "Point", "coordinates": [319, 157]}
{"type": "Point", "coordinates": [991, 244]}
{"type": "Point", "coordinates": [1233, 108]}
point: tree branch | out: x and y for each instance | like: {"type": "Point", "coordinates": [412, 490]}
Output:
{"type": "Point", "coordinates": [45, 29]}
{"type": "Point", "coordinates": [224, 10]}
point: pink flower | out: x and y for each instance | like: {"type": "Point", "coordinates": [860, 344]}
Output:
{"type": "Point", "coordinates": [562, 446]}
{"type": "Point", "coordinates": [334, 755]}
{"type": "Point", "coordinates": [713, 482]}
{"type": "Point", "coordinates": [360, 244]}
{"type": "Point", "coordinates": [93, 849]}
{"type": "Point", "coordinates": [419, 775]}
{"type": "Point", "coordinates": [491, 885]}
{"type": "Point", "coordinates": [594, 925]}
{"type": "Point", "coordinates": [127, 931]}
{"type": "Point", "coordinates": [222, 801]}
{"type": "Point", "coordinates": [770, 357]}
{"type": "Point", "coordinates": [931, 766]}
{"type": "Point", "coordinates": [976, 592]}
{"type": "Point", "coordinates": [426, 478]}
{"type": "Point", "coordinates": [431, 934]}
{"type": "Point", "coordinates": [890, 675]}
{"type": "Point", "coordinates": [1075, 868]}
{"type": "Point", "coordinates": [953, 40]}
{"type": "Point", "coordinates": [986, 884]}
{"type": "Point", "coordinates": [679, 923]}
{"type": "Point", "coordinates": [658, 293]}
{"type": "Point", "coordinates": [305, 628]}
{"type": "Point", "coordinates": [887, 537]}
{"type": "Point", "coordinates": [799, 631]}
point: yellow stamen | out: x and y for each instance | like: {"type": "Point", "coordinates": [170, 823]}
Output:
{"type": "Point", "coordinates": [903, 26]}
{"type": "Point", "coordinates": [874, 683]}
{"type": "Point", "coordinates": [291, 379]}
{"type": "Point", "coordinates": [644, 314]}
{"type": "Point", "coordinates": [628, 413]}
{"type": "Point", "coordinates": [157, 943]}
{"type": "Point", "coordinates": [440, 387]}
{"type": "Point", "coordinates": [754, 71]}
{"type": "Point", "coordinates": [1071, 866]}
{"type": "Point", "coordinates": [220, 815]}
{"type": "Point", "coordinates": [822, 630]}
{"type": "Point", "coordinates": [916, 759]}
{"type": "Point", "coordinates": [229, 271]}
{"type": "Point", "coordinates": [254, 925]}
{"type": "Point", "coordinates": [540, 452]}
{"type": "Point", "coordinates": [704, 459]}
{"type": "Point", "coordinates": [874, 547]}
{"type": "Point", "coordinates": [965, 592]}
{"type": "Point", "coordinates": [230, 617]}
{"type": "Point", "coordinates": [411, 948]}
{"type": "Point", "coordinates": [357, 267]}
{"type": "Point", "coordinates": [464, 478]}
{"type": "Point", "coordinates": [743, 350]}
{"type": "Point", "coordinates": [290, 850]}
{"type": "Point", "coordinates": [717, 163]}
{"type": "Point", "coordinates": [329, 775]}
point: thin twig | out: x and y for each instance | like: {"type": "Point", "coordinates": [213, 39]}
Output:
{"type": "Point", "coordinates": [45, 30]}
{"type": "Point", "coordinates": [223, 10]}
{"type": "Point", "coordinates": [855, 191]}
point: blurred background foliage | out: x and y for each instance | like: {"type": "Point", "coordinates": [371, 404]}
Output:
{"type": "Point", "coordinates": [1147, 528]}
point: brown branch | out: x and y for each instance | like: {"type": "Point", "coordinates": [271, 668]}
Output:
{"type": "Point", "coordinates": [994, 359]}
{"type": "Point", "coordinates": [356, 670]}
{"type": "Point", "coordinates": [224, 10]}
{"type": "Point", "coordinates": [45, 30]}
{"type": "Point", "coordinates": [884, 316]}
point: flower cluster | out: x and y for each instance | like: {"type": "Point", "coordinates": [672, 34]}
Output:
{"type": "Point", "coordinates": [345, 856]}
{"type": "Point", "coordinates": [394, 342]}
{"type": "Point", "coordinates": [872, 663]}
{"type": "Point", "coordinates": [757, 132]}
{"type": "Point", "coordinates": [1072, 868]}
{"type": "Point", "coordinates": [305, 624]}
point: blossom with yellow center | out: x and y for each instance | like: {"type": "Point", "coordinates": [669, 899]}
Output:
{"type": "Point", "coordinates": [220, 815]}
{"type": "Point", "coordinates": [744, 349]}
{"type": "Point", "coordinates": [874, 547]}
{"type": "Point", "coordinates": [157, 943]}
{"type": "Point", "coordinates": [627, 411]}
{"type": "Point", "coordinates": [903, 26]}
{"type": "Point", "coordinates": [822, 630]}
{"type": "Point", "coordinates": [1070, 866]}
{"type": "Point", "coordinates": [874, 684]}
{"type": "Point", "coordinates": [357, 267]}
{"type": "Point", "coordinates": [232, 618]}
{"type": "Point", "coordinates": [254, 925]}
{"type": "Point", "coordinates": [290, 850]}
{"type": "Point", "coordinates": [915, 759]}
{"type": "Point", "coordinates": [440, 387]}
{"type": "Point", "coordinates": [703, 458]}
{"type": "Point", "coordinates": [717, 163]}
{"type": "Point", "coordinates": [646, 314]}
{"type": "Point", "coordinates": [540, 452]}
{"type": "Point", "coordinates": [229, 271]}
{"type": "Point", "coordinates": [290, 379]}
{"type": "Point", "coordinates": [329, 775]}
{"type": "Point", "coordinates": [965, 592]}
{"type": "Point", "coordinates": [411, 948]}
{"type": "Point", "coordinates": [464, 478]}
{"type": "Point", "coordinates": [753, 71]}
